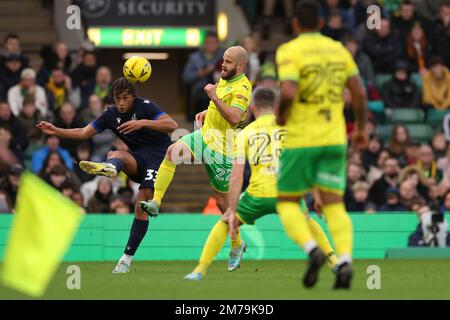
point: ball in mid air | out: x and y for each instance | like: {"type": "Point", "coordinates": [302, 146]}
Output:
{"type": "Point", "coordinates": [137, 69]}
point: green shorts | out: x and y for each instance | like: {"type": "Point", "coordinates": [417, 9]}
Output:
{"type": "Point", "coordinates": [252, 208]}
{"type": "Point", "coordinates": [302, 169]}
{"type": "Point", "coordinates": [217, 165]}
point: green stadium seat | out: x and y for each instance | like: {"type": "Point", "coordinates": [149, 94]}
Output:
{"type": "Point", "coordinates": [407, 115]}
{"type": "Point", "coordinates": [435, 117]}
{"type": "Point", "coordinates": [381, 78]}
{"type": "Point", "coordinates": [421, 132]}
{"type": "Point", "coordinates": [384, 131]}
{"type": "Point", "coordinates": [376, 106]}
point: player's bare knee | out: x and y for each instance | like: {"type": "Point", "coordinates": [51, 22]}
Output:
{"type": "Point", "coordinates": [113, 154]}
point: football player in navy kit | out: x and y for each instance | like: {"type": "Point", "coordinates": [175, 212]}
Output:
{"type": "Point", "coordinates": [144, 128]}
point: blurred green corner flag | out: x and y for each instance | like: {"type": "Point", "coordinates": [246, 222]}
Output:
{"type": "Point", "coordinates": [43, 228]}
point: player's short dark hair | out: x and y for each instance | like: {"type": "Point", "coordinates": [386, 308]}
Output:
{"type": "Point", "coordinates": [120, 85]}
{"type": "Point", "coordinates": [264, 98]}
{"type": "Point", "coordinates": [11, 36]}
{"type": "Point", "coordinates": [308, 13]}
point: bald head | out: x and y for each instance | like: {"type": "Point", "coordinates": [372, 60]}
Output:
{"type": "Point", "coordinates": [234, 62]}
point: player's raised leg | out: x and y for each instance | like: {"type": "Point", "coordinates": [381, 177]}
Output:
{"type": "Point", "coordinates": [116, 162]}
{"type": "Point", "coordinates": [176, 154]}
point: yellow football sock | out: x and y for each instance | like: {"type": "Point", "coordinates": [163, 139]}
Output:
{"type": "Point", "coordinates": [295, 225]}
{"type": "Point", "coordinates": [236, 243]}
{"type": "Point", "coordinates": [341, 229]}
{"type": "Point", "coordinates": [163, 179]}
{"type": "Point", "coordinates": [213, 245]}
{"type": "Point", "coordinates": [323, 242]}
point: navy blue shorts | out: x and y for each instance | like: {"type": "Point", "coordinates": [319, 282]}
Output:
{"type": "Point", "coordinates": [148, 162]}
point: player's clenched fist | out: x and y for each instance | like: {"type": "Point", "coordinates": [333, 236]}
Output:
{"type": "Point", "coordinates": [359, 139]}
{"type": "Point", "coordinates": [200, 118]}
{"type": "Point", "coordinates": [46, 127]}
{"type": "Point", "coordinates": [210, 90]}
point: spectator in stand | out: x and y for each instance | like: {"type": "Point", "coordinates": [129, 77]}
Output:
{"type": "Point", "coordinates": [28, 118]}
{"type": "Point", "coordinates": [398, 142]}
{"type": "Point", "coordinates": [415, 174]}
{"type": "Point", "coordinates": [254, 64]}
{"type": "Point", "coordinates": [12, 48]}
{"type": "Point", "coordinates": [118, 205]}
{"type": "Point", "coordinates": [67, 189]}
{"type": "Point", "coordinates": [54, 57]}
{"type": "Point", "coordinates": [403, 23]}
{"type": "Point", "coordinates": [360, 199]}
{"type": "Point", "coordinates": [199, 70]}
{"type": "Point", "coordinates": [11, 75]}
{"type": "Point", "coordinates": [99, 202]}
{"type": "Point", "coordinates": [375, 171]}
{"type": "Point", "coordinates": [392, 201]}
{"type": "Point", "coordinates": [5, 203]}
{"type": "Point", "coordinates": [417, 49]}
{"type": "Point", "coordinates": [332, 7]}
{"type": "Point", "coordinates": [60, 90]}
{"type": "Point", "coordinates": [370, 155]}
{"type": "Point", "coordinates": [409, 195]}
{"type": "Point", "coordinates": [99, 87]}
{"type": "Point", "coordinates": [429, 9]}
{"type": "Point", "coordinates": [383, 47]}
{"type": "Point", "coordinates": [27, 88]}
{"type": "Point", "coordinates": [19, 141]}
{"type": "Point", "coordinates": [389, 178]}
{"type": "Point", "coordinates": [439, 145]}
{"type": "Point", "coordinates": [57, 176]}
{"type": "Point", "coordinates": [441, 34]}
{"type": "Point", "coordinates": [9, 184]}
{"type": "Point", "coordinates": [401, 91]}
{"type": "Point", "coordinates": [334, 27]}
{"type": "Point", "coordinates": [77, 197]}
{"type": "Point", "coordinates": [428, 164]}
{"type": "Point", "coordinates": [443, 164]}
{"type": "Point", "coordinates": [436, 85]}
{"type": "Point", "coordinates": [6, 141]}
{"type": "Point", "coordinates": [412, 152]}
{"type": "Point", "coordinates": [268, 12]}
{"type": "Point", "coordinates": [362, 60]}
{"type": "Point", "coordinates": [51, 144]}
{"type": "Point", "coordinates": [355, 173]}
{"type": "Point", "coordinates": [67, 119]}
{"type": "Point", "coordinates": [84, 73]}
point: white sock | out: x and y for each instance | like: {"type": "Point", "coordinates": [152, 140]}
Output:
{"type": "Point", "coordinates": [126, 258]}
{"type": "Point", "coordinates": [310, 246]}
{"type": "Point", "coordinates": [345, 258]}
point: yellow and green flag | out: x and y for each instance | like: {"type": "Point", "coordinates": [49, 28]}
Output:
{"type": "Point", "coordinates": [43, 228]}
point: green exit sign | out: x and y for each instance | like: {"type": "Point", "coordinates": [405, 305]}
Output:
{"type": "Point", "coordinates": [134, 37]}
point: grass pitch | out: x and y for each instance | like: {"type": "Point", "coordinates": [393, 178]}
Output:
{"type": "Point", "coordinates": [277, 279]}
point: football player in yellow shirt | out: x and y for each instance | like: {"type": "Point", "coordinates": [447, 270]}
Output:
{"type": "Point", "coordinates": [313, 72]}
{"type": "Point", "coordinates": [213, 144]}
{"type": "Point", "coordinates": [259, 143]}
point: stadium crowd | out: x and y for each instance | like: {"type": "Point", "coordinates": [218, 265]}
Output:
{"type": "Point", "coordinates": [404, 65]}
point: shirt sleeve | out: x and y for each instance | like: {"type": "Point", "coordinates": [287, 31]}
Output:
{"type": "Point", "coordinates": [351, 69]}
{"type": "Point", "coordinates": [286, 65]}
{"type": "Point", "coordinates": [152, 111]}
{"type": "Point", "coordinates": [241, 97]}
{"type": "Point", "coordinates": [102, 122]}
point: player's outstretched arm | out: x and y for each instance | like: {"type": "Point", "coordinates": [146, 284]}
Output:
{"type": "Point", "coordinates": [76, 133]}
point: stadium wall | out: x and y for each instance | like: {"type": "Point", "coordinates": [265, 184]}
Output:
{"type": "Point", "coordinates": [102, 237]}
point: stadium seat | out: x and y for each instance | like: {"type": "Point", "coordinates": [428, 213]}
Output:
{"type": "Point", "coordinates": [384, 131]}
{"type": "Point", "coordinates": [421, 132]}
{"type": "Point", "coordinates": [407, 115]}
{"type": "Point", "coordinates": [435, 117]}
{"type": "Point", "coordinates": [381, 78]}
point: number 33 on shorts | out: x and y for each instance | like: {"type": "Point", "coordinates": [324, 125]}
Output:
{"type": "Point", "coordinates": [151, 175]}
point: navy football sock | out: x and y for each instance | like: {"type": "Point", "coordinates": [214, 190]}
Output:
{"type": "Point", "coordinates": [137, 233]}
{"type": "Point", "coordinates": [117, 162]}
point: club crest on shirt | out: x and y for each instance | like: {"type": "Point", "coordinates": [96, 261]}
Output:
{"type": "Point", "coordinates": [133, 117]}
{"type": "Point", "coordinates": [118, 120]}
